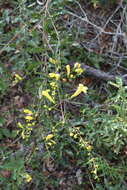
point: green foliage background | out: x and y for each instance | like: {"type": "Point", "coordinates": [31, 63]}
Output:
{"type": "Point", "coordinates": [89, 131]}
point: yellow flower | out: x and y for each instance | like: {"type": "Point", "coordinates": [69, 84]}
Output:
{"type": "Point", "coordinates": [68, 69]}
{"type": "Point", "coordinates": [18, 77]}
{"type": "Point", "coordinates": [81, 88]}
{"type": "Point", "coordinates": [54, 75]}
{"type": "Point", "coordinates": [72, 76]}
{"type": "Point", "coordinates": [23, 134]}
{"type": "Point", "coordinates": [53, 85]}
{"type": "Point", "coordinates": [27, 177]}
{"type": "Point", "coordinates": [77, 65]}
{"type": "Point", "coordinates": [46, 94]}
{"type": "Point", "coordinates": [29, 118]}
{"type": "Point", "coordinates": [51, 143]}
{"type": "Point", "coordinates": [71, 134]}
{"type": "Point", "coordinates": [89, 148]}
{"type": "Point", "coordinates": [31, 124]}
{"type": "Point", "coordinates": [94, 172]}
{"type": "Point", "coordinates": [50, 136]}
{"type": "Point", "coordinates": [54, 61]}
{"type": "Point", "coordinates": [27, 111]}
{"type": "Point", "coordinates": [20, 125]}
{"type": "Point", "coordinates": [78, 69]}
{"type": "Point", "coordinates": [75, 136]}
{"type": "Point", "coordinates": [53, 93]}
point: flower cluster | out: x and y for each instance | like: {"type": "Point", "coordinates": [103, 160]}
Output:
{"type": "Point", "coordinates": [93, 163]}
{"type": "Point", "coordinates": [55, 77]}
{"type": "Point", "coordinates": [76, 134]}
{"type": "Point", "coordinates": [78, 69]}
{"type": "Point", "coordinates": [27, 128]}
{"type": "Point", "coordinates": [49, 140]}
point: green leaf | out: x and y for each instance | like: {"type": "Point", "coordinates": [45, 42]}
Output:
{"type": "Point", "coordinates": [6, 132]}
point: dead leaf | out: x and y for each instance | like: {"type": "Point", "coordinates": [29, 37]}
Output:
{"type": "Point", "coordinates": [6, 173]}
{"type": "Point", "coordinates": [21, 101]}
{"type": "Point", "coordinates": [49, 165]}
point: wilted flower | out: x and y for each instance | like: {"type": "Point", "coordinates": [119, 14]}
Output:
{"type": "Point", "coordinates": [81, 88]}
{"type": "Point", "coordinates": [46, 94]}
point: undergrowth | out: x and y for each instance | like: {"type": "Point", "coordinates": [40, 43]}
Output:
{"type": "Point", "coordinates": [59, 128]}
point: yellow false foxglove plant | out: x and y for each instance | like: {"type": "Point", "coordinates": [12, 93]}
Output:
{"type": "Point", "coordinates": [81, 88]}
{"type": "Point", "coordinates": [47, 95]}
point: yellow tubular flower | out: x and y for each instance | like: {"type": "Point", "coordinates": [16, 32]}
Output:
{"type": "Point", "coordinates": [77, 65]}
{"type": "Point", "coordinates": [27, 111]}
{"type": "Point", "coordinates": [68, 69]}
{"type": "Point", "coordinates": [46, 94]}
{"type": "Point", "coordinates": [29, 118]}
{"type": "Point", "coordinates": [50, 136]}
{"type": "Point", "coordinates": [71, 134]}
{"type": "Point", "coordinates": [54, 75]}
{"type": "Point", "coordinates": [20, 125]}
{"type": "Point", "coordinates": [79, 71]}
{"type": "Point", "coordinates": [18, 77]}
{"type": "Point", "coordinates": [27, 177]}
{"type": "Point", "coordinates": [53, 61]}
{"type": "Point", "coordinates": [89, 148]}
{"type": "Point", "coordinates": [53, 85]}
{"type": "Point", "coordinates": [81, 88]}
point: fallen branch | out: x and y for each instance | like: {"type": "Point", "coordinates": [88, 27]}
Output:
{"type": "Point", "coordinates": [101, 75]}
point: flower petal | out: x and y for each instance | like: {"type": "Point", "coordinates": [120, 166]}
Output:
{"type": "Point", "coordinates": [68, 69]}
{"type": "Point", "coordinates": [46, 94]}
